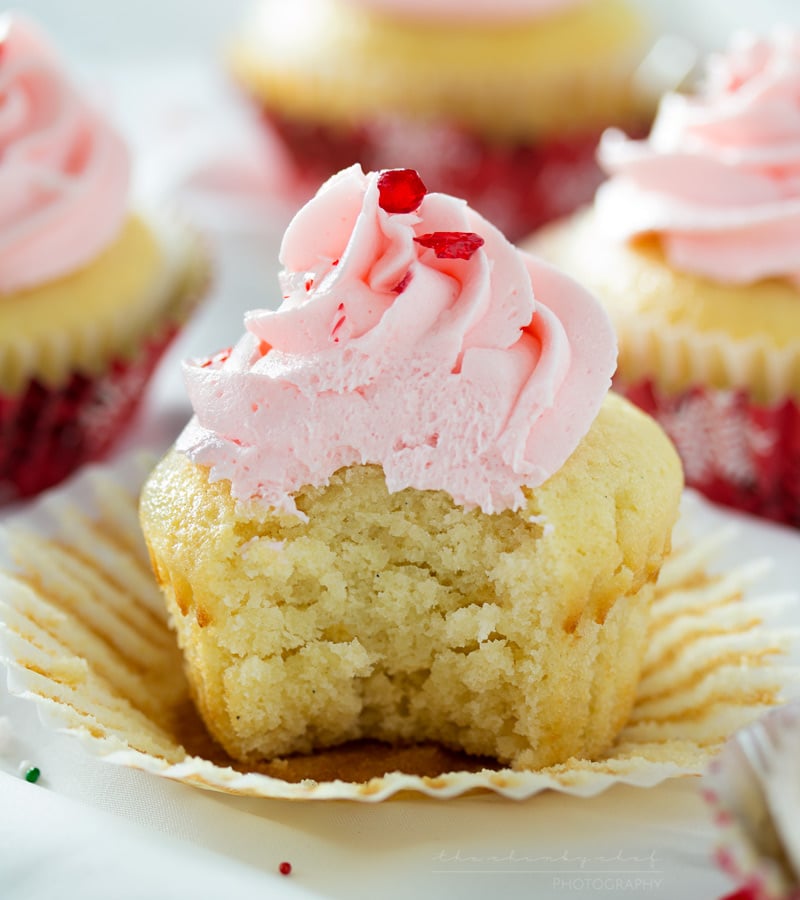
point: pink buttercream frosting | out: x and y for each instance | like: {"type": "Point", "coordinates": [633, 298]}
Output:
{"type": "Point", "coordinates": [460, 11]}
{"type": "Point", "coordinates": [719, 177]}
{"type": "Point", "coordinates": [63, 170]}
{"type": "Point", "coordinates": [445, 371]}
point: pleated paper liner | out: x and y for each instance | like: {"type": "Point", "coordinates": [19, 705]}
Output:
{"type": "Point", "coordinates": [47, 431]}
{"type": "Point", "coordinates": [84, 635]}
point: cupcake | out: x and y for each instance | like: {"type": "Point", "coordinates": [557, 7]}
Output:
{"type": "Point", "coordinates": [693, 246]}
{"type": "Point", "coordinates": [498, 102]}
{"type": "Point", "coordinates": [406, 508]}
{"type": "Point", "coordinates": [91, 290]}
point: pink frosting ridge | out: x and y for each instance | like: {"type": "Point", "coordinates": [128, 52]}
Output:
{"type": "Point", "coordinates": [459, 11]}
{"type": "Point", "coordinates": [445, 371]}
{"type": "Point", "coordinates": [719, 177]}
{"type": "Point", "coordinates": [63, 170]}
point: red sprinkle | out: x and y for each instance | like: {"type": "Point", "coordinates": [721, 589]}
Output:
{"type": "Point", "coordinates": [400, 190]}
{"type": "Point", "coordinates": [748, 892]}
{"type": "Point", "coordinates": [403, 283]}
{"type": "Point", "coordinates": [285, 868]}
{"type": "Point", "coordinates": [309, 282]}
{"type": "Point", "coordinates": [217, 359]}
{"type": "Point", "coordinates": [451, 244]}
{"type": "Point", "coordinates": [338, 322]}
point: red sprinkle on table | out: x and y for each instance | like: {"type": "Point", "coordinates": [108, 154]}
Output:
{"type": "Point", "coordinates": [285, 868]}
{"type": "Point", "coordinates": [451, 244]}
{"type": "Point", "coordinates": [400, 190]}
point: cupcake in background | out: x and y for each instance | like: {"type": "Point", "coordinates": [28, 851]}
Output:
{"type": "Point", "coordinates": [501, 103]}
{"type": "Point", "coordinates": [91, 290]}
{"type": "Point", "coordinates": [694, 245]}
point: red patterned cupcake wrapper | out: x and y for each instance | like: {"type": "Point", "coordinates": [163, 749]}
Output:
{"type": "Point", "coordinates": [518, 186]}
{"type": "Point", "coordinates": [47, 433]}
{"type": "Point", "coordinates": [735, 451]}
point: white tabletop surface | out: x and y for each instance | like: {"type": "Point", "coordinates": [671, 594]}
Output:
{"type": "Point", "coordinates": [90, 829]}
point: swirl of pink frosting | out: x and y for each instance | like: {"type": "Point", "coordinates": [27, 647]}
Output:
{"type": "Point", "coordinates": [460, 11]}
{"type": "Point", "coordinates": [445, 371]}
{"type": "Point", "coordinates": [719, 177]}
{"type": "Point", "coordinates": [63, 171]}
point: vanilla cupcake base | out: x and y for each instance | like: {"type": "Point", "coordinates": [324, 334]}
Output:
{"type": "Point", "coordinates": [403, 617]}
{"type": "Point", "coordinates": [84, 634]}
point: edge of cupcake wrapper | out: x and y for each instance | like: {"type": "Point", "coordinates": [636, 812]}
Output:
{"type": "Point", "coordinates": [750, 845]}
{"type": "Point", "coordinates": [715, 662]}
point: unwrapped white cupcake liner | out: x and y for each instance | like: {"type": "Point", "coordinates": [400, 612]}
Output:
{"type": "Point", "coordinates": [84, 635]}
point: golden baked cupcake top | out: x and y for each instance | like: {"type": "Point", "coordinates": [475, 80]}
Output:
{"type": "Point", "coordinates": [570, 69]}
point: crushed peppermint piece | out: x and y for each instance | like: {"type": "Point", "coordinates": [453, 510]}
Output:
{"type": "Point", "coordinates": [403, 283]}
{"type": "Point", "coordinates": [216, 360]}
{"type": "Point", "coordinates": [451, 244]}
{"type": "Point", "coordinates": [400, 190]}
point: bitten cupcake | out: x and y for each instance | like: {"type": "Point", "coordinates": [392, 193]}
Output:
{"type": "Point", "coordinates": [498, 102]}
{"type": "Point", "coordinates": [694, 246]}
{"type": "Point", "coordinates": [406, 508]}
{"type": "Point", "coordinates": [91, 291]}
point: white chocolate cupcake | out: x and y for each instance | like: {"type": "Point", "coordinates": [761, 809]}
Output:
{"type": "Point", "coordinates": [406, 508]}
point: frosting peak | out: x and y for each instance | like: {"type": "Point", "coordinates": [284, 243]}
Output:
{"type": "Point", "coordinates": [63, 171]}
{"type": "Point", "coordinates": [406, 339]}
{"type": "Point", "coordinates": [719, 177]}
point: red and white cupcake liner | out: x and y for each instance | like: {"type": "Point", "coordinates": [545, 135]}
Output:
{"type": "Point", "coordinates": [517, 185]}
{"type": "Point", "coordinates": [735, 451]}
{"type": "Point", "coordinates": [47, 433]}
